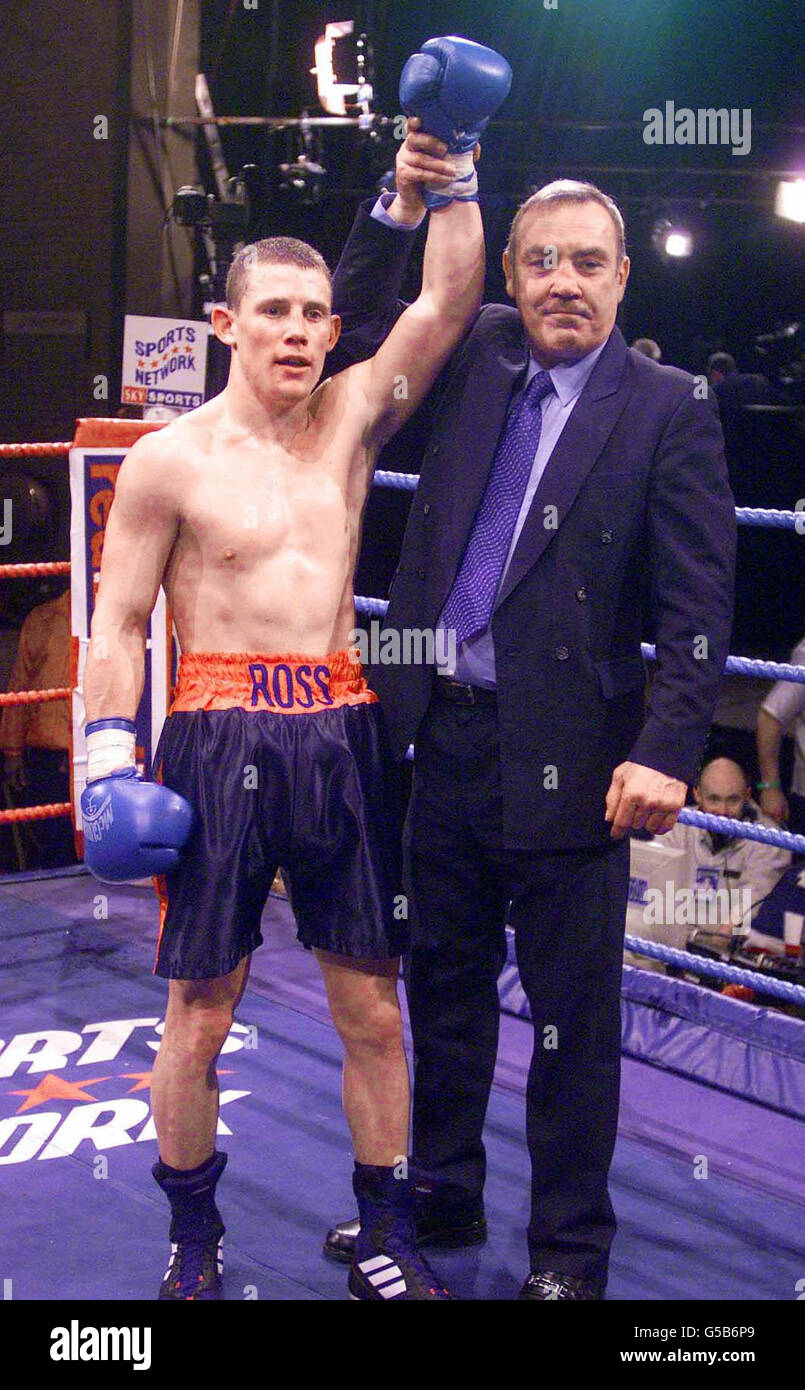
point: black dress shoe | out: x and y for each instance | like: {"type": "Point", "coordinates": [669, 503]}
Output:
{"type": "Point", "coordinates": [447, 1227]}
{"type": "Point", "coordinates": [339, 1243]}
{"type": "Point", "coordinates": [546, 1284]}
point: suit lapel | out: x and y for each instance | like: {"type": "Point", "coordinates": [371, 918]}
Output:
{"type": "Point", "coordinates": [592, 420]}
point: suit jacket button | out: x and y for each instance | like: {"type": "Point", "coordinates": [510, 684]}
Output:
{"type": "Point", "coordinates": [561, 653]}
{"type": "Point", "coordinates": [420, 574]}
{"type": "Point", "coordinates": [426, 509]}
{"type": "Point", "coordinates": [606, 537]}
{"type": "Point", "coordinates": [581, 594]}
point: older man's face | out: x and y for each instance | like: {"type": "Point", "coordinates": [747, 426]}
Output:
{"type": "Point", "coordinates": [566, 279]}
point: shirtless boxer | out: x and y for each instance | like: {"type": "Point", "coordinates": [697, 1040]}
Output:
{"type": "Point", "coordinates": [248, 511]}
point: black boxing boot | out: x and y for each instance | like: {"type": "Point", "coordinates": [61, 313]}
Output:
{"type": "Point", "coordinates": [387, 1264]}
{"type": "Point", "coordinates": [196, 1230]}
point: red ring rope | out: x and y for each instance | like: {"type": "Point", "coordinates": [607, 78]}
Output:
{"type": "Point", "coordinates": [58, 808]}
{"type": "Point", "coordinates": [34, 569]}
{"type": "Point", "coordinates": [32, 697]}
{"type": "Point", "coordinates": [21, 451]}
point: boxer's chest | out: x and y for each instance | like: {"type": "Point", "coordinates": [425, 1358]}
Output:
{"type": "Point", "coordinates": [242, 512]}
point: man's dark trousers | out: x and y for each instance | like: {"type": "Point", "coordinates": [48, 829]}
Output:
{"type": "Point", "coordinates": [567, 910]}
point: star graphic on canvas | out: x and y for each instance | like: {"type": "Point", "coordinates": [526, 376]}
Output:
{"type": "Point", "coordinates": [142, 1079]}
{"type": "Point", "coordinates": [54, 1088]}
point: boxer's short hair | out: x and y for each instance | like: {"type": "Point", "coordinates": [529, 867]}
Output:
{"type": "Point", "coordinates": [273, 250]}
{"type": "Point", "coordinates": [570, 191]}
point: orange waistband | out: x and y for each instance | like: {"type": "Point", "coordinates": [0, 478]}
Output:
{"type": "Point", "coordinates": [290, 684]}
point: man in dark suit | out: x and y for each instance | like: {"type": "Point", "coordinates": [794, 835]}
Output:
{"type": "Point", "coordinates": [567, 479]}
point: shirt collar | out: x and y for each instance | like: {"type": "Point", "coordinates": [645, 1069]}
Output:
{"type": "Point", "coordinates": [569, 378]}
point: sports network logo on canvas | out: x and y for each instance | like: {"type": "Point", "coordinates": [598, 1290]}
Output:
{"type": "Point", "coordinates": [61, 1089]}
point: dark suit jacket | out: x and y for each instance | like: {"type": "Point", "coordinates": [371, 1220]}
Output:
{"type": "Point", "coordinates": [634, 503]}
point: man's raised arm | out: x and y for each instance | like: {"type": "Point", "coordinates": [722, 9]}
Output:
{"type": "Point", "coordinates": [367, 282]}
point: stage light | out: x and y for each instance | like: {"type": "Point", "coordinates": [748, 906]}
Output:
{"type": "Point", "coordinates": [678, 243]}
{"type": "Point", "coordinates": [790, 200]}
{"type": "Point", "coordinates": [335, 96]}
{"type": "Point", "coordinates": [670, 240]}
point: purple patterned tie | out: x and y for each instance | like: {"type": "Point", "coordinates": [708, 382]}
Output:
{"type": "Point", "coordinates": [468, 609]}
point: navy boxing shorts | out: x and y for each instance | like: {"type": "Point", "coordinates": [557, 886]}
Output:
{"type": "Point", "coordinates": [285, 762]}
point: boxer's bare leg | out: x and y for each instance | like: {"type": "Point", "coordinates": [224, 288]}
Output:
{"type": "Point", "coordinates": [366, 1012]}
{"type": "Point", "coordinates": [184, 1086]}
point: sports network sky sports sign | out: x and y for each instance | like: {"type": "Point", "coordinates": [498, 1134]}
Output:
{"type": "Point", "coordinates": [164, 361]}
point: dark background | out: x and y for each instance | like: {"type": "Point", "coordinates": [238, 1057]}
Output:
{"type": "Point", "coordinates": [79, 233]}
{"type": "Point", "coordinates": [593, 61]}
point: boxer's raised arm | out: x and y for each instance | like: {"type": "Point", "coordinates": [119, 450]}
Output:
{"type": "Point", "coordinates": [141, 529]}
{"type": "Point", "coordinates": [396, 379]}
{"type": "Point", "coordinates": [452, 87]}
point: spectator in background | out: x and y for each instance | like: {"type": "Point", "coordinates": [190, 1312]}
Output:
{"type": "Point", "coordinates": [783, 708]}
{"type": "Point", "coordinates": [648, 347]}
{"type": "Point", "coordinates": [36, 737]}
{"type": "Point", "coordinates": [720, 861]}
{"type": "Point", "coordinates": [733, 388]}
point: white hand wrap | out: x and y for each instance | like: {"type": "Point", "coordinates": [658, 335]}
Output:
{"type": "Point", "coordinates": [109, 750]}
{"type": "Point", "coordinates": [465, 183]}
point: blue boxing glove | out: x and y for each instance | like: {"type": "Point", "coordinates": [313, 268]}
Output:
{"type": "Point", "coordinates": [454, 86]}
{"type": "Point", "coordinates": [132, 828]}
